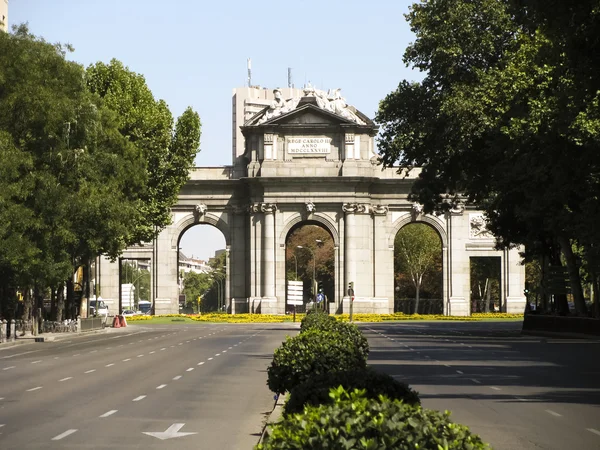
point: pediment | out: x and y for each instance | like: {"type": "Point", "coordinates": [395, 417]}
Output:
{"type": "Point", "coordinates": [304, 115]}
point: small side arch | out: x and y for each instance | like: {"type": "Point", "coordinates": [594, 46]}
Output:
{"type": "Point", "coordinates": [190, 220]}
{"type": "Point", "coordinates": [315, 217]}
{"type": "Point", "coordinates": [421, 219]}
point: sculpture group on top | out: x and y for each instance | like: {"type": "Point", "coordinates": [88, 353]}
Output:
{"type": "Point", "coordinates": [331, 101]}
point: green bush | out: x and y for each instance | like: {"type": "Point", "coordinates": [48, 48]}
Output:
{"type": "Point", "coordinates": [315, 390]}
{"type": "Point", "coordinates": [324, 322]}
{"type": "Point", "coordinates": [354, 421]}
{"type": "Point", "coordinates": [312, 353]}
{"type": "Point", "coordinates": [315, 320]}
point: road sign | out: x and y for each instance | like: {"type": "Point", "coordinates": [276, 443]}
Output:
{"type": "Point", "coordinates": [320, 298]}
{"type": "Point", "coordinates": [295, 293]}
{"type": "Point", "coordinates": [169, 433]}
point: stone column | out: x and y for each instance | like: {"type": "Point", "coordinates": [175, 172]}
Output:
{"type": "Point", "coordinates": [350, 245]}
{"type": "Point", "coordinates": [13, 330]}
{"type": "Point", "coordinates": [383, 262]}
{"type": "Point", "coordinates": [349, 146]}
{"type": "Point", "coordinates": [269, 249]}
{"type": "Point", "coordinates": [270, 147]}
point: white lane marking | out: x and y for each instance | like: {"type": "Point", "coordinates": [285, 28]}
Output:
{"type": "Point", "coordinates": [593, 430]}
{"type": "Point", "coordinates": [217, 354]}
{"type": "Point", "coordinates": [137, 399]}
{"type": "Point", "coordinates": [555, 414]}
{"type": "Point", "coordinates": [19, 354]}
{"type": "Point", "coordinates": [521, 399]}
{"type": "Point", "coordinates": [35, 362]}
{"type": "Point", "coordinates": [34, 389]}
{"type": "Point", "coordinates": [177, 377]}
{"type": "Point", "coordinates": [139, 356]}
{"type": "Point", "coordinates": [76, 354]}
{"type": "Point", "coordinates": [109, 365]}
{"type": "Point", "coordinates": [90, 371]}
{"type": "Point", "coordinates": [187, 342]}
{"type": "Point", "coordinates": [224, 351]}
{"type": "Point", "coordinates": [190, 369]}
{"type": "Point", "coordinates": [152, 352]}
{"type": "Point", "coordinates": [161, 386]}
{"type": "Point", "coordinates": [459, 371]}
{"type": "Point", "coordinates": [164, 348]}
{"type": "Point", "coordinates": [181, 343]}
{"type": "Point", "coordinates": [229, 348]}
{"type": "Point", "coordinates": [128, 359]}
{"type": "Point", "coordinates": [109, 413]}
{"type": "Point", "coordinates": [495, 388]}
{"type": "Point", "coordinates": [108, 348]}
{"type": "Point", "coordinates": [65, 379]}
{"type": "Point", "coordinates": [56, 357]}
{"type": "Point", "coordinates": [9, 367]}
{"type": "Point", "coordinates": [63, 435]}
{"type": "Point", "coordinates": [93, 351]}
{"type": "Point", "coordinates": [200, 363]}
{"type": "Point", "coordinates": [475, 381]}
{"type": "Point", "coordinates": [210, 359]}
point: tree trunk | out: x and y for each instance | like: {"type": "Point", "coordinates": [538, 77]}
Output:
{"type": "Point", "coordinates": [60, 303]}
{"type": "Point", "coordinates": [576, 289]}
{"type": "Point", "coordinates": [417, 293]}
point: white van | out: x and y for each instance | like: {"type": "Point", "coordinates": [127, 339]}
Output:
{"type": "Point", "coordinates": [98, 307]}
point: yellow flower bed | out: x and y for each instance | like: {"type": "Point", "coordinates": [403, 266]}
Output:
{"type": "Point", "coordinates": [139, 318]}
{"type": "Point", "coordinates": [272, 318]}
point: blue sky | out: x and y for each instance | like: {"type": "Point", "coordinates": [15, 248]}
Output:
{"type": "Point", "coordinates": [194, 52]}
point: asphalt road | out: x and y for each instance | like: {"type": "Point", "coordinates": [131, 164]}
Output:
{"type": "Point", "coordinates": [142, 387]}
{"type": "Point", "coordinates": [517, 392]}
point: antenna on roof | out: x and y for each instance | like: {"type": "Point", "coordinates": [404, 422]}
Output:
{"type": "Point", "coordinates": [290, 83]}
{"type": "Point", "coordinates": [249, 72]}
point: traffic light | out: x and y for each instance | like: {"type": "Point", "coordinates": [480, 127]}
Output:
{"type": "Point", "coordinates": [351, 289]}
{"type": "Point", "coordinates": [320, 287]}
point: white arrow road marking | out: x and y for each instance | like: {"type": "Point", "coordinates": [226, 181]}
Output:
{"type": "Point", "coordinates": [171, 432]}
{"type": "Point", "coordinates": [63, 435]}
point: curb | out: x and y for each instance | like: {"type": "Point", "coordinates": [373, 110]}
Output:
{"type": "Point", "coordinates": [274, 415]}
{"type": "Point", "coordinates": [558, 334]}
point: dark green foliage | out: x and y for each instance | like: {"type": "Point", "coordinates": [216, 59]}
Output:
{"type": "Point", "coordinates": [309, 354]}
{"type": "Point", "coordinates": [354, 421]}
{"type": "Point", "coordinates": [315, 390]}
{"type": "Point", "coordinates": [322, 321]}
{"type": "Point", "coordinates": [316, 320]}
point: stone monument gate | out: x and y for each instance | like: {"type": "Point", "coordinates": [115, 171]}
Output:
{"type": "Point", "coordinates": [312, 160]}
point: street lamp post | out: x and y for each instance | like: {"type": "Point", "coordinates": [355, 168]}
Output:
{"type": "Point", "coordinates": [296, 261]}
{"type": "Point", "coordinates": [314, 265]}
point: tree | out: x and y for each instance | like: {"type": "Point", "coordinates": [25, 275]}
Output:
{"type": "Point", "coordinates": [196, 285]}
{"type": "Point", "coordinates": [147, 123]}
{"type": "Point", "coordinates": [71, 186]}
{"type": "Point", "coordinates": [505, 119]}
{"type": "Point", "coordinates": [417, 252]}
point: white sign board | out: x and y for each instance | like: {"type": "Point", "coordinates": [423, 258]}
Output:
{"type": "Point", "coordinates": [295, 293]}
{"type": "Point", "coordinates": [308, 144]}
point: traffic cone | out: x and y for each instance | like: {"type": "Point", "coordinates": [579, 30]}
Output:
{"type": "Point", "coordinates": [123, 321]}
{"type": "Point", "coordinates": [116, 322]}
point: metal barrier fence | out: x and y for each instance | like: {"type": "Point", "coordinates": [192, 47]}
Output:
{"type": "Point", "coordinates": [426, 306]}
{"type": "Point", "coordinates": [92, 323]}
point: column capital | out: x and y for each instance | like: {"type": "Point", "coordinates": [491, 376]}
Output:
{"type": "Point", "coordinates": [355, 208]}
{"type": "Point", "coordinates": [267, 208]}
{"type": "Point", "coordinates": [380, 210]}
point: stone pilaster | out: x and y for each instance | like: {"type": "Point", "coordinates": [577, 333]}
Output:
{"type": "Point", "coordinates": [269, 249]}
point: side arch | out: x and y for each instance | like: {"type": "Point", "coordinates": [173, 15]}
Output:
{"type": "Point", "coordinates": [421, 219]}
{"type": "Point", "coordinates": [190, 220]}
{"type": "Point", "coordinates": [315, 217]}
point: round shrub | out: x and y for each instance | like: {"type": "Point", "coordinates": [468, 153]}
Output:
{"type": "Point", "coordinates": [354, 421]}
{"type": "Point", "coordinates": [322, 321]}
{"type": "Point", "coordinates": [312, 353]}
{"type": "Point", "coordinates": [315, 320]}
{"type": "Point", "coordinates": [315, 390]}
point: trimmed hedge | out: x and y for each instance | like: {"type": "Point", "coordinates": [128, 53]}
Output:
{"type": "Point", "coordinates": [324, 322]}
{"type": "Point", "coordinates": [312, 353]}
{"type": "Point", "coordinates": [353, 421]}
{"type": "Point", "coordinates": [315, 390]}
